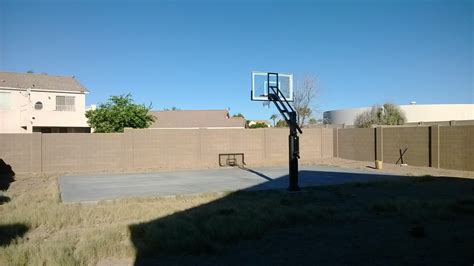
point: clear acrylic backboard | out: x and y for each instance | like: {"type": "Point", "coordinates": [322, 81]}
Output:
{"type": "Point", "coordinates": [260, 88]}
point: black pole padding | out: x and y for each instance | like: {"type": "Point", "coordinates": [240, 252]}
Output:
{"type": "Point", "coordinates": [293, 153]}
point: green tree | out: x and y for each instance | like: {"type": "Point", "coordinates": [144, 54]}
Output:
{"type": "Point", "coordinates": [238, 115]}
{"type": "Point", "coordinates": [387, 114]}
{"type": "Point", "coordinates": [281, 123]}
{"type": "Point", "coordinates": [174, 108]}
{"type": "Point", "coordinates": [118, 113]}
{"type": "Point", "coordinates": [364, 120]}
{"type": "Point", "coordinates": [393, 115]}
{"type": "Point", "coordinates": [313, 121]}
{"type": "Point", "coordinates": [274, 117]}
{"type": "Point", "coordinates": [258, 125]}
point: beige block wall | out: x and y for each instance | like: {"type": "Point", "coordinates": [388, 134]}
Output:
{"type": "Point", "coordinates": [165, 148]}
{"type": "Point", "coordinates": [21, 151]}
{"type": "Point", "coordinates": [315, 143]}
{"type": "Point", "coordinates": [77, 152]}
{"type": "Point", "coordinates": [310, 145]}
{"type": "Point", "coordinates": [200, 148]}
{"type": "Point", "coordinates": [356, 144]}
{"type": "Point", "coordinates": [157, 149]}
{"type": "Point", "coordinates": [415, 139]}
{"type": "Point", "coordinates": [327, 143]}
{"type": "Point", "coordinates": [276, 145]}
{"type": "Point", "coordinates": [456, 147]}
{"type": "Point", "coordinates": [216, 141]}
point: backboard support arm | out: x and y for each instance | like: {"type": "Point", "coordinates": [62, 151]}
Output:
{"type": "Point", "coordinates": [290, 116]}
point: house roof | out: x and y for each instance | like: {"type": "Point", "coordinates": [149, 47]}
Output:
{"type": "Point", "coordinates": [196, 118]}
{"type": "Point", "coordinates": [40, 82]}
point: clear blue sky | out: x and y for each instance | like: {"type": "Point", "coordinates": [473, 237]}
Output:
{"type": "Point", "coordinates": [199, 55]}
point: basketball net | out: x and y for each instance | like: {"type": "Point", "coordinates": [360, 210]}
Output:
{"type": "Point", "coordinates": [266, 104]}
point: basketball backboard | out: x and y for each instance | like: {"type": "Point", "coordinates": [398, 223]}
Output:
{"type": "Point", "coordinates": [260, 88]}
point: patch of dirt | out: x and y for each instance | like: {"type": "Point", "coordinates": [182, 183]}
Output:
{"type": "Point", "coordinates": [32, 182]}
{"type": "Point", "coordinates": [408, 170]}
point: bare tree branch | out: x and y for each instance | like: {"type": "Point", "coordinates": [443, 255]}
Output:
{"type": "Point", "coordinates": [305, 95]}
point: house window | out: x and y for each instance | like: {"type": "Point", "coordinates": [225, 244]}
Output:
{"type": "Point", "coordinates": [65, 103]}
{"type": "Point", "coordinates": [5, 101]}
{"type": "Point", "coordinates": [38, 105]}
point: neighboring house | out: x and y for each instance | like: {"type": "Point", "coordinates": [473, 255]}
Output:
{"type": "Point", "coordinates": [254, 122]}
{"type": "Point", "coordinates": [196, 119]}
{"type": "Point", "coordinates": [41, 103]}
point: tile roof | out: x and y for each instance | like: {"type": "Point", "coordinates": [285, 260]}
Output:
{"type": "Point", "coordinates": [40, 82]}
{"type": "Point", "coordinates": [196, 118]}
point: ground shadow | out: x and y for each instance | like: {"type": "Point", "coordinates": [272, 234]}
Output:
{"type": "Point", "coordinates": [257, 173]}
{"type": "Point", "coordinates": [4, 199]}
{"type": "Point", "coordinates": [10, 232]}
{"type": "Point", "coordinates": [320, 178]}
{"type": "Point", "coordinates": [357, 223]}
{"type": "Point", "coordinates": [7, 175]}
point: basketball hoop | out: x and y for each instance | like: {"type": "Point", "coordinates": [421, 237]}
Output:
{"type": "Point", "coordinates": [278, 88]}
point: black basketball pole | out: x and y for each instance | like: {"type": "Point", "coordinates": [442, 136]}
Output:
{"type": "Point", "coordinates": [290, 116]}
{"type": "Point", "coordinates": [293, 148]}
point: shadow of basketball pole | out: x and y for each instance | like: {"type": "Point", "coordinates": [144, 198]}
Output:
{"type": "Point", "coordinates": [256, 173]}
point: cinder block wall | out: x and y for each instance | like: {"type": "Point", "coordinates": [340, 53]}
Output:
{"type": "Point", "coordinates": [356, 144]}
{"type": "Point", "coordinates": [216, 141]}
{"type": "Point", "coordinates": [165, 148]}
{"type": "Point", "coordinates": [445, 147]}
{"type": "Point", "coordinates": [21, 151]}
{"type": "Point", "coordinates": [81, 152]}
{"type": "Point", "coordinates": [449, 147]}
{"type": "Point", "coordinates": [414, 139]}
{"type": "Point", "coordinates": [327, 143]}
{"type": "Point", "coordinates": [276, 144]}
{"type": "Point", "coordinates": [456, 147]}
{"type": "Point", "coordinates": [157, 149]}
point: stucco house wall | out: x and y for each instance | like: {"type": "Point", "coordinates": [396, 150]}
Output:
{"type": "Point", "coordinates": [19, 115]}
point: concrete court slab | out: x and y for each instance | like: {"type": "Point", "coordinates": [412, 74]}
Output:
{"type": "Point", "coordinates": [92, 188]}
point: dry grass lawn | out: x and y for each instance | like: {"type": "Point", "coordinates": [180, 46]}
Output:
{"type": "Point", "coordinates": [72, 234]}
{"type": "Point", "coordinates": [411, 218]}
